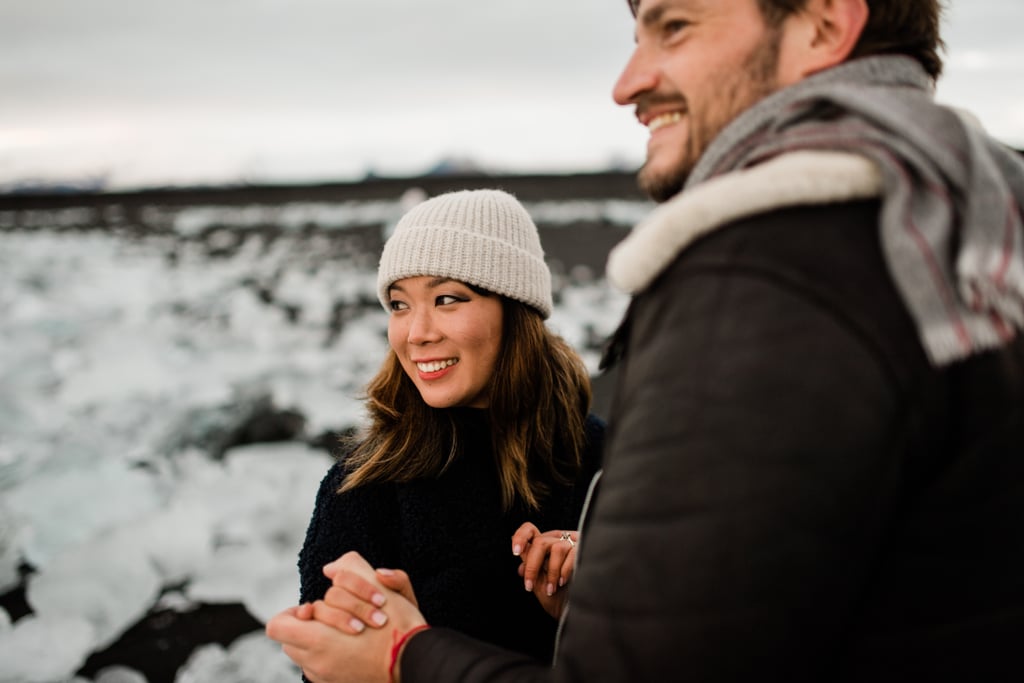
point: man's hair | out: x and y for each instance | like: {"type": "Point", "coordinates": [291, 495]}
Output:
{"type": "Point", "coordinates": [894, 27]}
{"type": "Point", "coordinates": [538, 399]}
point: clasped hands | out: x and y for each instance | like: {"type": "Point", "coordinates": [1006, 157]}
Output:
{"type": "Point", "coordinates": [380, 605]}
{"type": "Point", "coordinates": [318, 636]}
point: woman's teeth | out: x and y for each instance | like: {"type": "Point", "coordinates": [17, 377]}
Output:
{"type": "Point", "coordinates": [435, 365]}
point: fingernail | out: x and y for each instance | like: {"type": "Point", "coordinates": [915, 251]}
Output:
{"type": "Point", "coordinates": [377, 599]}
{"type": "Point", "coordinates": [516, 549]}
{"type": "Point", "coordinates": [561, 581]}
{"type": "Point", "coordinates": [551, 589]}
{"type": "Point", "coordinates": [529, 585]}
{"type": "Point", "coordinates": [386, 572]}
{"type": "Point", "coordinates": [379, 618]}
{"type": "Point", "coordinates": [356, 625]}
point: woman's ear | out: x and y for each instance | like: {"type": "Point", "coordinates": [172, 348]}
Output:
{"type": "Point", "coordinates": [821, 35]}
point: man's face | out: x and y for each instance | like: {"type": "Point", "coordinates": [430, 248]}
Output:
{"type": "Point", "coordinates": [697, 65]}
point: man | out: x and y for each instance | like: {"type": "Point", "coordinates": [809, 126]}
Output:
{"type": "Point", "coordinates": [815, 469]}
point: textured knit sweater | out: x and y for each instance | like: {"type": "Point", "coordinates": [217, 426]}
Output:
{"type": "Point", "coordinates": [453, 537]}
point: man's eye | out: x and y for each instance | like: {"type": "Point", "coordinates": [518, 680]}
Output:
{"type": "Point", "coordinates": [673, 26]}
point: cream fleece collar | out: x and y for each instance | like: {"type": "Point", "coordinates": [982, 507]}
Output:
{"type": "Point", "coordinates": [797, 178]}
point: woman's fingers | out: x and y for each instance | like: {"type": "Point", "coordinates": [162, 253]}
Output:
{"type": "Point", "coordinates": [354, 607]}
{"type": "Point", "coordinates": [534, 558]}
{"type": "Point", "coordinates": [341, 619]}
{"type": "Point", "coordinates": [357, 586]}
{"type": "Point", "coordinates": [560, 566]}
{"type": "Point", "coordinates": [558, 569]}
{"type": "Point", "coordinates": [522, 538]}
{"type": "Point", "coordinates": [398, 581]}
{"type": "Point", "coordinates": [358, 598]}
{"type": "Point", "coordinates": [562, 560]}
{"type": "Point", "coordinates": [548, 561]}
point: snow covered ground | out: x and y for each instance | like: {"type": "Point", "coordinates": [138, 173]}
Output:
{"type": "Point", "coordinates": [136, 376]}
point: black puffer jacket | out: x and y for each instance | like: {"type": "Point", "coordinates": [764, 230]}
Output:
{"type": "Point", "coordinates": [791, 491]}
{"type": "Point", "coordinates": [452, 537]}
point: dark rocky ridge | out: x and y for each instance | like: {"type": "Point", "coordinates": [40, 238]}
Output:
{"type": "Point", "coordinates": [612, 184]}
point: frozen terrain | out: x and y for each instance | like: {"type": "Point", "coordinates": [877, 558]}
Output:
{"type": "Point", "coordinates": [164, 402]}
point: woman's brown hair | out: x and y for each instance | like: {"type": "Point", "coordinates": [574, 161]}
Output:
{"type": "Point", "coordinates": [539, 397]}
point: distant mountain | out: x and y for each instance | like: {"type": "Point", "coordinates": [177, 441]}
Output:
{"type": "Point", "coordinates": [456, 165]}
{"type": "Point", "coordinates": [57, 186]}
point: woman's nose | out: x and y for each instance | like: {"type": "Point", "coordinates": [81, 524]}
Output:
{"type": "Point", "coordinates": [423, 328]}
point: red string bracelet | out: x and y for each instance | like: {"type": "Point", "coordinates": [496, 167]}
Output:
{"type": "Point", "coordinates": [397, 647]}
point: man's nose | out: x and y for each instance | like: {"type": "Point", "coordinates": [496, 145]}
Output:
{"type": "Point", "coordinates": [639, 76]}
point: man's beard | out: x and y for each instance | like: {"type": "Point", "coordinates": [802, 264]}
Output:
{"type": "Point", "coordinates": [663, 186]}
{"type": "Point", "coordinates": [756, 80]}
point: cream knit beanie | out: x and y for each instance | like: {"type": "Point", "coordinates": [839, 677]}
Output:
{"type": "Point", "coordinates": [480, 237]}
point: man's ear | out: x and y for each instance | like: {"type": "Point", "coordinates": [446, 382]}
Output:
{"type": "Point", "coordinates": [821, 35]}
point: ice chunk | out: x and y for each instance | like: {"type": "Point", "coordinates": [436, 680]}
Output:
{"type": "Point", "coordinates": [10, 553]}
{"type": "Point", "coordinates": [178, 540]}
{"type": "Point", "coordinates": [273, 591]}
{"type": "Point", "coordinates": [268, 495]}
{"type": "Point", "coordinates": [281, 480]}
{"type": "Point", "coordinates": [108, 582]}
{"type": "Point", "coordinates": [119, 674]}
{"type": "Point", "coordinates": [176, 601]}
{"type": "Point", "coordinates": [250, 658]}
{"type": "Point", "coordinates": [263, 580]}
{"type": "Point", "coordinates": [64, 507]}
{"type": "Point", "coordinates": [43, 649]}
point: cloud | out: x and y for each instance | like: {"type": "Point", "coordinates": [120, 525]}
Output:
{"type": "Point", "coordinates": [208, 87]}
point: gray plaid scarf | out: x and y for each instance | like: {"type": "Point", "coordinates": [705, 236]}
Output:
{"type": "Point", "coordinates": [951, 225]}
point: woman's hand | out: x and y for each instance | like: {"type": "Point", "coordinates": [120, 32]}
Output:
{"type": "Point", "coordinates": [352, 603]}
{"type": "Point", "coordinates": [548, 560]}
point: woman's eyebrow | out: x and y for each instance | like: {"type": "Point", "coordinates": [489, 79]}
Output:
{"type": "Point", "coordinates": [433, 283]}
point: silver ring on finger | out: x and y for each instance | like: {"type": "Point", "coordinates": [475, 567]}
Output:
{"type": "Point", "coordinates": [567, 537]}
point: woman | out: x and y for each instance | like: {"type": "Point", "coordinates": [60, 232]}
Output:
{"type": "Point", "coordinates": [478, 422]}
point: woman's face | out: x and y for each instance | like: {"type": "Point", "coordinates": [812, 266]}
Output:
{"type": "Point", "coordinates": [447, 338]}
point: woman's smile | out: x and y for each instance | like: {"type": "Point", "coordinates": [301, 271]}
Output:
{"type": "Point", "coordinates": [434, 369]}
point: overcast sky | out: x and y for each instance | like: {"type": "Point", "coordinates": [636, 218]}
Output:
{"type": "Point", "coordinates": [206, 91]}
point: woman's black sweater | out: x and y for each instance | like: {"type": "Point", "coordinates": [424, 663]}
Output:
{"type": "Point", "coordinates": [452, 536]}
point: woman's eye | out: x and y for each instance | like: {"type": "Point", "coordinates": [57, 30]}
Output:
{"type": "Point", "coordinates": [445, 299]}
{"type": "Point", "coordinates": [397, 305]}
